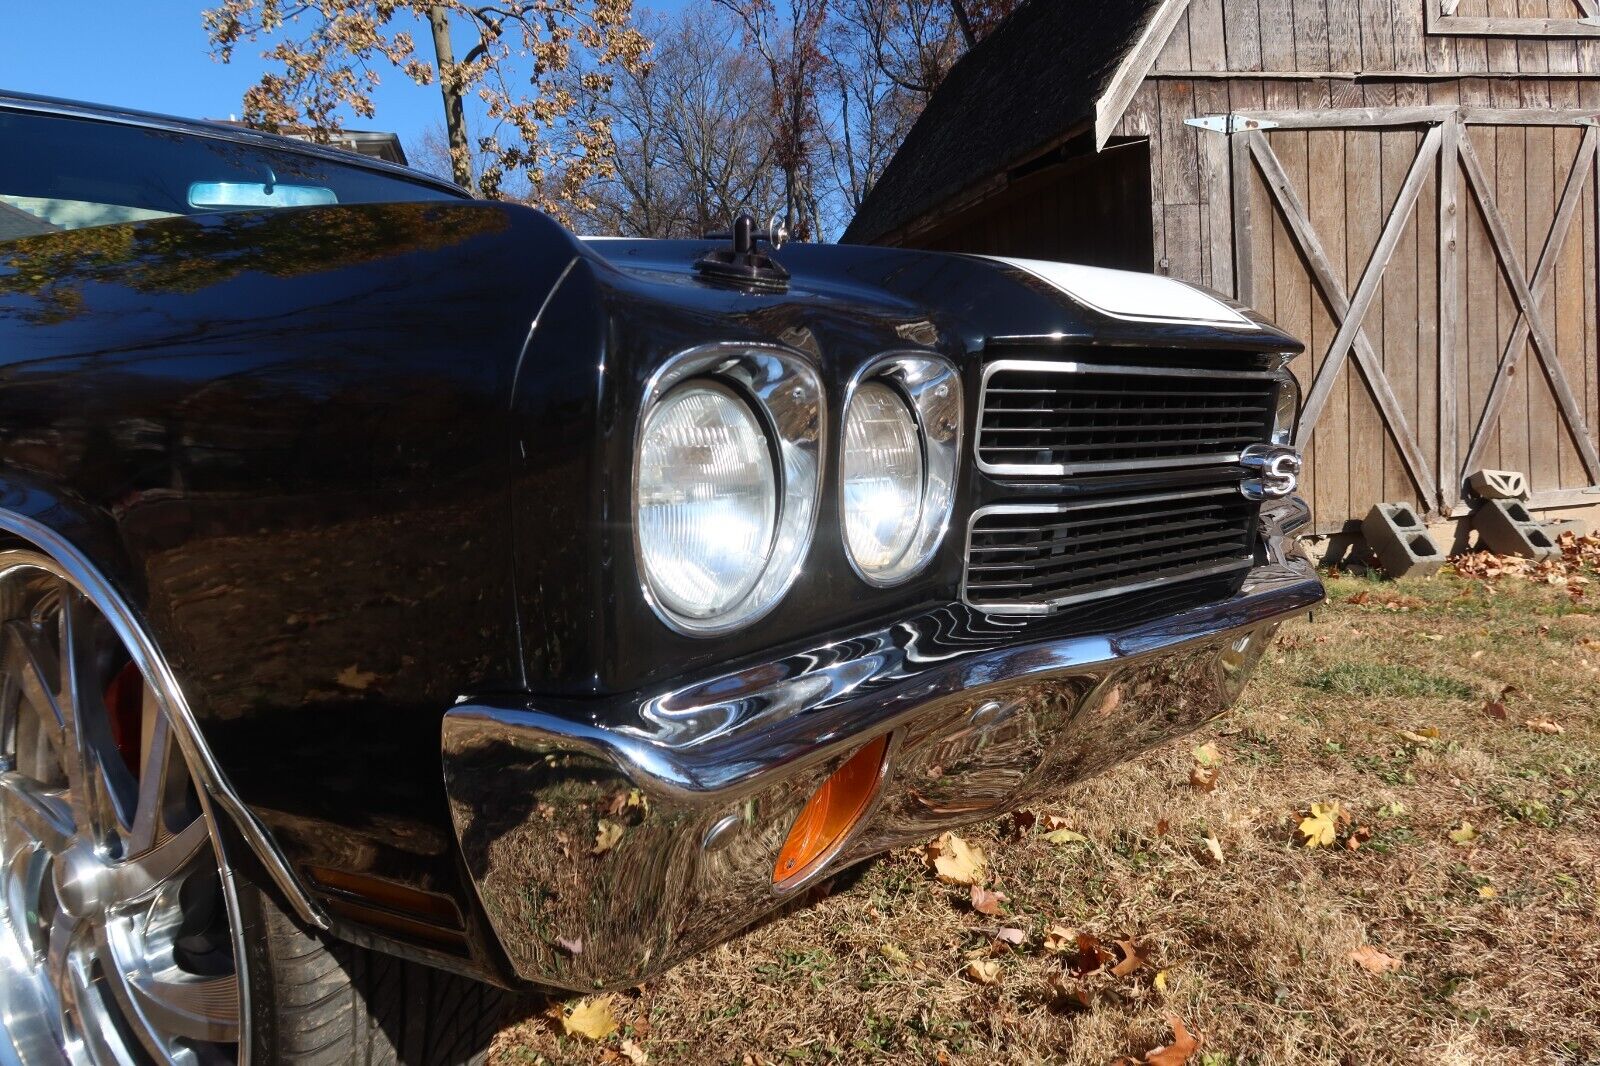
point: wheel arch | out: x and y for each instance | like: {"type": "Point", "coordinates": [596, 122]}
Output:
{"type": "Point", "coordinates": [35, 517]}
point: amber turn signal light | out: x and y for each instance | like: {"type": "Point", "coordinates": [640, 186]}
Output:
{"type": "Point", "coordinates": [830, 814]}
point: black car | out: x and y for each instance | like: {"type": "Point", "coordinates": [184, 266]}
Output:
{"type": "Point", "coordinates": [404, 599]}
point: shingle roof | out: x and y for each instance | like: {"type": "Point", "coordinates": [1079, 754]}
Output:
{"type": "Point", "coordinates": [1034, 79]}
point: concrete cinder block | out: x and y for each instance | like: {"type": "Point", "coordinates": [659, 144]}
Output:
{"type": "Point", "coordinates": [1498, 485]}
{"type": "Point", "coordinates": [1396, 535]}
{"type": "Point", "coordinates": [1506, 528]}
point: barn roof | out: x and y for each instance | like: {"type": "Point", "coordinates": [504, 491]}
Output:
{"type": "Point", "coordinates": [1042, 74]}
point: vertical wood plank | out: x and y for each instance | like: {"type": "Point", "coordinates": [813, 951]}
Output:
{"type": "Point", "coordinates": [1244, 213]}
{"type": "Point", "coordinates": [1207, 47]}
{"type": "Point", "coordinates": [1483, 295]}
{"type": "Point", "coordinates": [1371, 447]}
{"type": "Point", "coordinates": [1400, 310]}
{"type": "Point", "coordinates": [1242, 34]}
{"type": "Point", "coordinates": [1216, 188]}
{"type": "Point", "coordinates": [1569, 304]}
{"type": "Point", "coordinates": [1175, 53]}
{"type": "Point", "coordinates": [1544, 467]}
{"type": "Point", "coordinates": [1343, 22]}
{"type": "Point", "coordinates": [1511, 196]}
{"type": "Point", "coordinates": [1451, 314]}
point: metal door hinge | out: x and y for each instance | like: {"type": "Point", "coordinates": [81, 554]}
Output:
{"type": "Point", "coordinates": [1230, 124]}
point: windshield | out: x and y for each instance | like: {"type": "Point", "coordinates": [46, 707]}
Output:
{"type": "Point", "coordinates": [61, 173]}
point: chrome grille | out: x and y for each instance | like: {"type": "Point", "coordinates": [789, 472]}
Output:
{"type": "Point", "coordinates": [1050, 418]}
{"type": "Point", "coordinates": [1035, 558]}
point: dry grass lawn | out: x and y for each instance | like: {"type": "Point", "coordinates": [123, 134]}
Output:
{"type": "Point", "coordinates": [1378, 704]}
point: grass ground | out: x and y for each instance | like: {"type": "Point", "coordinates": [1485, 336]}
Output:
{"type": "Point", "coordinates": [1476, 879]}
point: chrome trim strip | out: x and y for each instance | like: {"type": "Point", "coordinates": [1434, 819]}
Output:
{"type": "Point", "coordinates": [165, 685]}
{"type": "Point", "coordinates": [787, 390]}
{"type": "Point", "coordinates": [933, 385]}
{"type": "Point", "coordinates": [1038, 610]}
{"type": "Point", "coordinates": [1116, 466]}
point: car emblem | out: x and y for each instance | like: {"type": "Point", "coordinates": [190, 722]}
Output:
{"type": "Point", "coordinates": [1274, 471]}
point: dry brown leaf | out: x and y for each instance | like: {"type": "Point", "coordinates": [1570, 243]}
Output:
{"type": "Point", "coordinates": [1372, 960]}
{"type": "Point", "coordinates": [1202, 778]}
{"type": "Point", "coordinates": [1207, 754]}
{"type": "Point", "coordinates": [355, 678]}
{"type": "Point", "coordinates": [1063, 991]}
{"type": "Point", "coordinates": [590, 1018]}
{"type": "Point", "coordinates": [1214, 846]}
{"type": "Point", "coordinates": [1008, 934]}
{"type": "Point", "coordinates": [1162, 826]}
{"type": "Point", "coordinates": [956, 862]}
{"type": "Point", "coordinates": [606, 837]}
{"type": "Point", "coordinates": [1059, 938]}
{"type": "Point", "coordinates": [634, 1053]}
{"type": "Point", "coordinates": [1358, 836]}
{"type": "Point", "coordinates": [984, 971]}
{"type": "Point", "coordinates": [1544, 725]}
{"type": "Point", "coordinates": [1181, 1050]}
{"type": "Point", "coordinates": [986, 902]}
{"type": "Point", "coordinates": [1133, 957]}
{"type": "Point", "coordinates": [1053, 821]}
{"type": "Point", "coordinates": [1495, 709]}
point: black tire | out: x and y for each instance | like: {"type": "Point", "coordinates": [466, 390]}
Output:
{"type": "Point", "coordinates": [322, 1002]}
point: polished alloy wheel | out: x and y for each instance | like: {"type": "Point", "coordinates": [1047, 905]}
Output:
{"type": "Point", "coordinates": [116, 942]}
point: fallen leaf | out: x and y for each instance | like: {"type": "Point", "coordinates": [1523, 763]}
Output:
{"type": "Point", "coordinates": [1372, 960]}
{"type": "Point", "coordinates": [1092, 955]}
{"type": "Point", "coordinates": [1544, 725]}
{"type": "Point", "coordinates": [1358, 836]}
{"type": "Point", "coordinates": [353, 677]}
{"type": "Point", "coordinates": [1180, 1051]}
{"type": "Point", "coordinates": [956, 862]}
{"type": "Point", "coordinates": [986, 902]}
{"type": "Point", "coordinates": [1161, 981]}
{"type": "Point", "coordinates": [1207, 755]}
{"type": "Point", "coordinates": [1054, 821]}
{"type": "Point", "coordinates": [1488, 891]}
{"type": "Point", "coordinates": [984, 971]}
{"type": "Point", "coordinates": [1162, 825]}
{"type": "Point", "coordinates": [1133, 957]}
{"type": "Point", "coordinates": [1321, 827]}
{"type": "Point", "coordinates": [1066, 836]}
{"type": "Point", "coordinates": [572, 945]}
{"type": "Point", "coordinates": [1464, 835]}
{"type": "Point", "coordinates": [590, 1018]}
{"type": "Point", "coordinates": [1202, 778]}
{"type": "Point", "coordinates": [1419, 737]}
{"type": "Point", "coordinates": [1007, 934]}
{"type": "Point", "coordinates": [1496, 710]}
{"type": "Point", "coordinates": [634, 1053]}
{"type": "Point", "coordinates": [1214, 846]}
{"type": "Point", "coordinates": [606, 837]}
{"type": "Point", "coordinates": [1059, 938]}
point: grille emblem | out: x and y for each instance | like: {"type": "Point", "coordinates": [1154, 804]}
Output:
{"type": "Point", "coordinates": [1274, 471]}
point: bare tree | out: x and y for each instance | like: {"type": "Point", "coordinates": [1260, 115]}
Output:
{"type": "Point", "coordinates": [530, 63]}
{"type": "Point", "coordinates": [690, 135]}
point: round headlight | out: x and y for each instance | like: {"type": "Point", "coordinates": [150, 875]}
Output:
{"type": "Point", "coordinates": [708, 500]}
{"type": "Point", "coordinates": [883, 479]}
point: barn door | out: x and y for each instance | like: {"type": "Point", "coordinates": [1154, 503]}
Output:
{"type": "Point", "coordinates": [1442, 273]}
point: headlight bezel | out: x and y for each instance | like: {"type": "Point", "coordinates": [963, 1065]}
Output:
{"type": "Point", "coordinates": [930, 386]}
{"type": "Point", "coordinates": [784, 391]}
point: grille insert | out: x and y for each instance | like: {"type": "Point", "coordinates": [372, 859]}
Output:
{"type": "Point", "coordinates": [1035, 558]}
{"type": "Point", "coordinates": [1052, 418]}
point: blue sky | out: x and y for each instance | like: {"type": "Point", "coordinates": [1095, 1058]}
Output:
{"type": "Point", "coordinates": [152, 55]}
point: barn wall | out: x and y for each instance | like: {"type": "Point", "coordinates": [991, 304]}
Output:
{"type": "Point", "coordinates": [1374, 36]}
{"type": "Point", "coordinates": [1349, 180]}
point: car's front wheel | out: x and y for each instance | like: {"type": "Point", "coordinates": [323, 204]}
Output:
{"type": "Point", "coordinates": [124, 937]}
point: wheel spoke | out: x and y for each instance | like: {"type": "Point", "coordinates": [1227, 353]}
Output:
{"type": "Point", "coordinates": [41, 813]}
{"type": "Point", "coordinates": [156, 781]}
{"type": "Point", "coordinates": [144, 873]}
{"type": "Point", "coordinates": [102, 789]}
{"type": "Point", "coordinates": [30, 667]}
{"type": "Point", "coordinates": [201, 1008]}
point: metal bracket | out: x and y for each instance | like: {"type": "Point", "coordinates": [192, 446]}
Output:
{"type": "Point", "coordinates": [1230, 124]}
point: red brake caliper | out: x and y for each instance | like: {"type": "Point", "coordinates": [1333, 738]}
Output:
{"type": "Point", "coordinates": [125, 702]}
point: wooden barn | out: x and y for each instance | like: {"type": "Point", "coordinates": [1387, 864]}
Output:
{"type": "Point", "coordinates": [1407, 185]}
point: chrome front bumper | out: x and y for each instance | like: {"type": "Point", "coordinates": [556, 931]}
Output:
{"type": "Point", "coordinates": [705, 782]}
